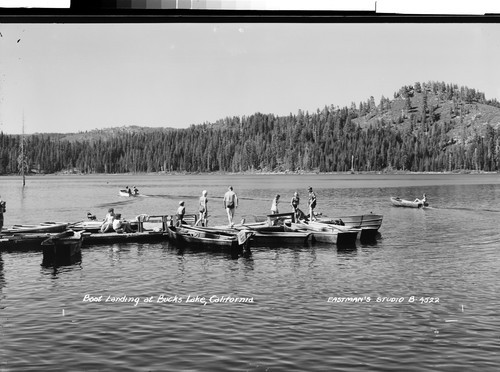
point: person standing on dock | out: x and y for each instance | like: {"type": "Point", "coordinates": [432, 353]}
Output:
{"type": "Point", "coordinates": [203, 209]}
{"type": "Point", "coordinates": [274, 206]}
{"type": "Point", "coordinates": [295, 204]}
{"type": "Point", "coordinates": [179, 215]}
{"type": "Point", "coordinates": [2, 211]}
{"type": "Point", "coordinates": [312, 204]}
{"type": "Point", "coordinates": [230, 204]}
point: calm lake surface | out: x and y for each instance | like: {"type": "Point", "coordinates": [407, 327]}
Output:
{"type": "Point", "coordinates": [441, 265]}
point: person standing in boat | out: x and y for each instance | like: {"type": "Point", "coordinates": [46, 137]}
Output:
{"type": "Point", "coordinates": [107, 225]}
{"type": "Point", "coordinates": [203, 209]}
{"type": "Point", "coordinates": [3, 209]}
{"type": "Point", "coordinates": [179, 215]}
{"type": "Point", "coordinates": [274, 206]}
{"type": "Point", "coordinates": [230, 204]}
{"type": "Point", "coordinates": [312, 204]}
{"type": "Point", "coordinates": [295, 204]}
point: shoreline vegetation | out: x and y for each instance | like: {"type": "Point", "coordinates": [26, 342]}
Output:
{"type": "Point", "coordinates": [264, 173]}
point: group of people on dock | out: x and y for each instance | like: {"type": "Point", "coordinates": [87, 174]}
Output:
{"type": "Point", "coordinates": [294, 203]}
{"type": "Point", "coordinates": [230, 203]}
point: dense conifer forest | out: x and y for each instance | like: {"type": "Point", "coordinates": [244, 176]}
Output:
{"type": "Point", "coordinates": [424, 127]}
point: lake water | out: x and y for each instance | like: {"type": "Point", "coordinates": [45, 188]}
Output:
{"type": "Point", "coordinates": [427, 289]}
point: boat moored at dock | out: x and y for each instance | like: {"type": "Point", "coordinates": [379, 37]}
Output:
{"type": "Point", "coordinates": [209, 237]}
{"type": "Point", "coordinates": [327, 233]}
{"type": "Point", "coordinates": [368, 223]}
{"type": "Point", "coordinates": [40, 228]}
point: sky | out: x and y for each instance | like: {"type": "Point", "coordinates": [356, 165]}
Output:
{"type": "Point", "coordinates": [78, 77]}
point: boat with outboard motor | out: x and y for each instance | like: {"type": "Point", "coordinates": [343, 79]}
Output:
{"type": "Point", "coordinates": [398, 202]}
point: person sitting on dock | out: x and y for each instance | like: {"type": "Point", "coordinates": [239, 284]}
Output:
{"type": "Point", "coordinates": [120, 225]}
{"type": "Point", "coordinates": [203, 209]}
{"type": "Point", "coordinates": [274, 206]}
{"type": "Point", "coordinates": [295, 204]}
{"type": "Point", "coordinates": [179, 215]}
{"type": "Point", "coordinates": [107, 225]}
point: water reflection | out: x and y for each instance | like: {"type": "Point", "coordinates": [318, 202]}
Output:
{"type": "Point", "coordinates": [61, 264]}
{"type": "Point", "coordinates": [347, 252]}
{"type": "Point", "coordinates": [2, 276]}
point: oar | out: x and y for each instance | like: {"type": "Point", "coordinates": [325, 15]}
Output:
{"type": "Point", "coordinates": [75, 223]}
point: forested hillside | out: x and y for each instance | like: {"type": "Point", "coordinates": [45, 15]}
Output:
{"type": "Point", "coordinates": [424, 127]}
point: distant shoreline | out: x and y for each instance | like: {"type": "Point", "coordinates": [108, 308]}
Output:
{"type": "Point", "coordinates": [264, 173]}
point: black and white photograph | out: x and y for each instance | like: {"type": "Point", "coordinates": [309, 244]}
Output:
{"type": "Point", "coordinates": [271, 191]}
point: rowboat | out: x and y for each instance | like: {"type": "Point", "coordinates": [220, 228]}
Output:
{"type": "Point", "coordinates": [281, 238]}
{"type": "Point", "coordinates": [62, 247]}
{"type": "Point", "coordinates": [327, 233]}
{"type": "Point", "coordinates": [44, 227]}
{"type": "Point", "coordinates": [208, 237]}
{"type": "Point", "coordinates": [398, 202]}
{"type": "Point", "coordinates": [368, 223]}
{"type": "Point", "coordinates": [124, 192]}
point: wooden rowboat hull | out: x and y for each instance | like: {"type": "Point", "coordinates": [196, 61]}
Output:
{"type": "Point", "coordinates": [280, 238]}
{"type": "Point", "coordinates": [44, 227]}
{"type": "Point", "coordinates": [368, 223]}
{"type": "Point", "coordinates": [326, 233]}
{"type": "Point", "coordinates": [202, 237]}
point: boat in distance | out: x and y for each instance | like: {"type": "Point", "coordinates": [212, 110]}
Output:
{"type": "Point", "coordinates": [125, 192]}
{"type": "Point", "coordinates": [398, 202]}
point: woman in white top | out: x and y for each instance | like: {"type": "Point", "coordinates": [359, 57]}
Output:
{"type": "Point", "coordinates": [107, 225]}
